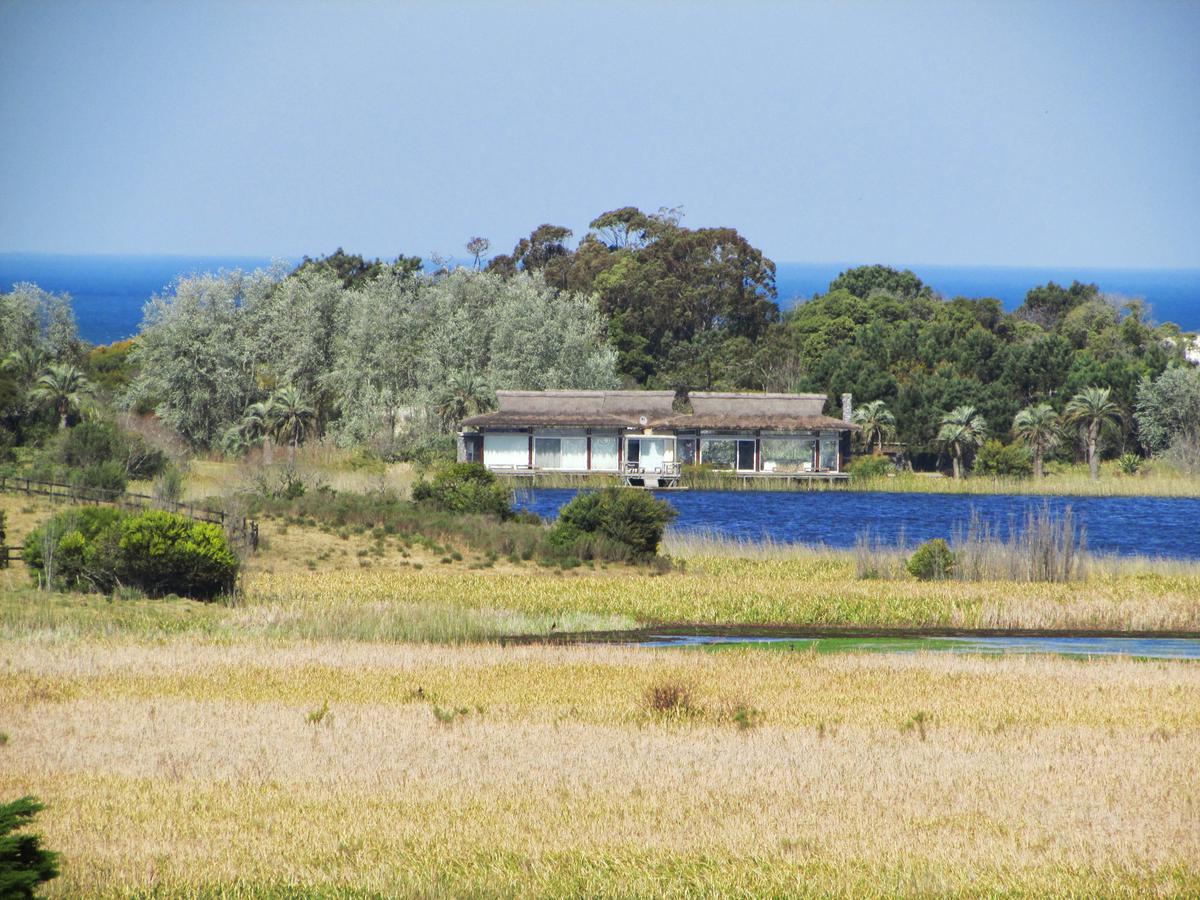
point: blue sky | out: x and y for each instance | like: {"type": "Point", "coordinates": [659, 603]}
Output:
{"type": "Point", "coordinates": [956, 133]}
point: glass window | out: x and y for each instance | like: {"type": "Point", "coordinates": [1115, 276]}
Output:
{"type": "Point", "coordinates": [720, 453]}
{"type": "Point", "coordinates": [574, 453]}
{"type": "Point", "coordinates": [687, 450]}
{"type": "Point", "coordinates": [506, 451]}
{"type": "Point", "coordinates": [547, 453]}
{"type": "Point", "coordinates": [604, 453]}
{"type": "Point", "coordinates": [788, 454]}
{"type": "Point", "coordinates": [648, 453]}
{"type": "Point", "coordinates": [829, 453]}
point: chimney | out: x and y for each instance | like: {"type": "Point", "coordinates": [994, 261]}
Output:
{"type": "Point", "coordinates": [847, 407]}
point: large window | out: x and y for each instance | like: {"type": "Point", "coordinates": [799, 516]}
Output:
{"type": "Point", "coordinates": [604, 453]}
{"type": "Point", "coordinates": [506, 451]}
{"type": "Point", "coordinates": [728, 453]}
{"type": "Point", "coordinates": [829, 452]}
{"type": "Point", "coordinates": [685, 447]}
{"type": "Point", "coordinates": [788, 454]}
{"type": "Point", "coordinates": [560, 453]}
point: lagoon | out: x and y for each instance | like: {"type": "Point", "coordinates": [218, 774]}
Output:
{"type": "Point", "coordinates": [1146, 526]}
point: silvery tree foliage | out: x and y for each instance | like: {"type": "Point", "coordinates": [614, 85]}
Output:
{"type": "Point", "coordinates": [32, 317]}
{"type": "Point", "coordinates": [373, 361]}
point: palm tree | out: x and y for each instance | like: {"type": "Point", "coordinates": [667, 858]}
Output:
{"type": "Point", "coordinates": [255, 427]}
{"type": "Point", "coordinates": [26, 363]}
{"type": "Point", "coordinates": [1039, 427]}
{"type": "Point", "coordinates": [465, 394]}
{"type": "Point", "coordinates": [65, 387]}
{"type": "Point", "coordinates": [962, 428]}
{"type": "Point", "coordinates": [1092, 409]}
{"type": "Point", "coordinates": [290, 417]}
{"type": "Point", "coordinates": [877, 422]}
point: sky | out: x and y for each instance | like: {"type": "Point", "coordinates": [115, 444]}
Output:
{"type": "Point", "coordinates": [964, 133]}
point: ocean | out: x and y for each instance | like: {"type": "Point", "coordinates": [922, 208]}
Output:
{"type": "Point", "coordinates": [109, 292]}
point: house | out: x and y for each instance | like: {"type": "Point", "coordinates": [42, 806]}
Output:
{"type": "Point", "coordinates": [642, 437]}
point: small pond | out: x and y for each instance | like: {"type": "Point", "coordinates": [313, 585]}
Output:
{"type": "Point", "coordinates": [1142, 647]}
{"type": "Point", "coordinates": [1149, 526]}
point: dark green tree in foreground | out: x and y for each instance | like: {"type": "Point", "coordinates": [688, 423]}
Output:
{"type": "Point", "coordinates": [24, 862]}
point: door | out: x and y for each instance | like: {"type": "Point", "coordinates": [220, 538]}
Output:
{"type": "Point", "coordinates": [745, 456]}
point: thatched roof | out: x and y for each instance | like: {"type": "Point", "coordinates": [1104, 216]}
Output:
{"type": "Point", "coordinates": [654, 409]}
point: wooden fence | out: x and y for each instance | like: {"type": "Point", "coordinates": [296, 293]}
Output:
{"type": "Point", "coordinates": [237, 527]}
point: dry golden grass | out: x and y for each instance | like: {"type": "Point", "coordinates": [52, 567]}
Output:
{"type": "Point", "coordinates": [186, 768]}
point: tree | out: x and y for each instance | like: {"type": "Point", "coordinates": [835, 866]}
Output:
{"type": "Point", "coordinates": [1093, 409]}
{"type": "Point", "coordinates": [1039, 427]}
{"type": "Point", "coordinates": [1167, 407]}
{"type": "Point", "coordinates": [876, 421]}
{"type": "Point", "coordinates": [1047, 304]}
{"type": "Point", "coordinates": [26, 363]}
{"type": "Point", "coordinates": [64, 387]}
{"type": "Point", "coordinates": [477, 247]}
{"type": "Point", "coordinates": [464, 394]}
{"type": "Point", "coordinates": [864, 281]}
{"type": "Point", "coordinates": [961, 429]}
{"type": "Point", "coordinates": [24, 862]}
{"type": "Point", "coordinates": [255, 427]}
{"type": "Point", "coordinates": [291, 418]}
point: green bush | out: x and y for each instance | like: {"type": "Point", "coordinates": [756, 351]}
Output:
{"type": "Point", "coordinates": [632, 518]}
{"type": "Point", "coordinates": [100, 548]}
{"type": "Point", "coordinates": [932, 561]}
{"type": "Point", "coordinates": [24, 862]}
{"type": "Point", "coordinates": [95, 443]}
{"type": "Point", "coordinates": [870, 467]}
{"type": "Point", "coordinates": [1003, 460]}
{"type": "Point", "coordinates": [107, 477]}
{"type": "Point", "coordinates": [465, 488]}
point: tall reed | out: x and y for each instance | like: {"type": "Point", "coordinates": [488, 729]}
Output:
{"type": "Point", "coordinates": [1047, 547]}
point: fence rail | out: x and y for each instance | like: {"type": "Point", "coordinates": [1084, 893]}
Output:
{"type": "Point", "coordinates": [238, 527]}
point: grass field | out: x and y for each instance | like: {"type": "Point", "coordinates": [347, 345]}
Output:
{"type": "Point", "coordinates": [252, 769]}
{"type": "Point", "coordinates": [349, 727]}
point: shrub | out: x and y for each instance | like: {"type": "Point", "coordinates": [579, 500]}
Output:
{"type": "Point", "coordinates": [107, 477]}
{"type": "Point", "coordinates": [94, 443]}
{"type": "Point", "coordinates": [1129, 463]}
{"type": "Point", "coordinates": [870, 467]}
{"type": "Point", "coordinates": [635, 519]}
{"type": "Point", "coordinates": [164, 553]}
{"type": "Point", "coordinates": [465, 488]}
{"type": "Point", "coordinates": [931, 561]}
{"type": "Point", "coordinates": [24, 863]}
{"type": "Point", "coordinates": [1003, 460]}
{"type": "Point", "coordinates": [99, 548]}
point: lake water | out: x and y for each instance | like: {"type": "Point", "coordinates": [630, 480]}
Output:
{"type": "Point", "coordinates": [1150, 526]}
{"type": "Point", "coordinates": [110, 291]}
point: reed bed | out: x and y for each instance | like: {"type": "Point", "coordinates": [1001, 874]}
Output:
{"type": "Point", "coordinates": [185, 769]}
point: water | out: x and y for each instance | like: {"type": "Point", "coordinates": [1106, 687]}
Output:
{"type": "Point", "coordinates": [1148, 648]}
{"type": "Point", "coordinates": [110, 291]}
{"type": "Point", "coordinates": [1149, 526]}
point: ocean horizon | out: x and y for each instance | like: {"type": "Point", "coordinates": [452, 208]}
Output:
{"type": "Point", "coordinates": [109, 291]}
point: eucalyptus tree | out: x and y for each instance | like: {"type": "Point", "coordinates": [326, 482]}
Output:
{"type": "Point", "coordinates": [290, 418]}
{"type": "Point", "coordinates": [1093, 409]}
{"type": "Point", "coordinates": [64, 387]}
{"type": "Point", "coordinates": [1041, 429]}
{"type": "Point", "coordinates": [961, 429]}
{"type": "Point", "coordinates": [1168, 407]}
{"type": "Point", "coordinates": [877, 422]}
